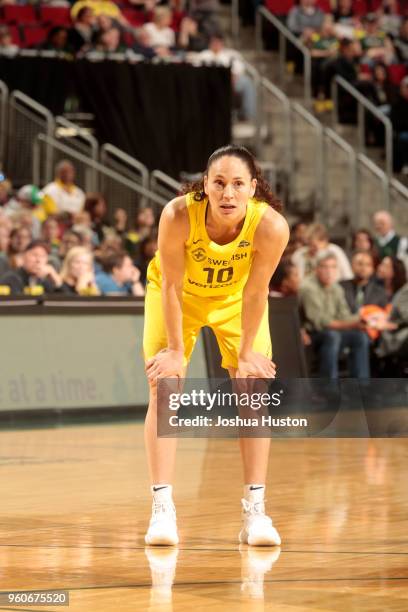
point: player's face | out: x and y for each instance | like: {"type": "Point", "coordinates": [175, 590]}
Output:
{"type": "Point", "coordinates": [229, 186]}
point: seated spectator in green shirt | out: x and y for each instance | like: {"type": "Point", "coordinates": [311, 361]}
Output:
{"type": "Point", "coordinates": [331, 325]}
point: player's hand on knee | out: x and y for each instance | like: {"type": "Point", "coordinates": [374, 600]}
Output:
{"type": "Point", "coordinates": [165, 364]}
{"type": "Point", "coordinates": [255, 365]}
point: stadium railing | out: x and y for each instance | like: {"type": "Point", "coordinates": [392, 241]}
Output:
{"type": "Point", "coordinates": [127, 166]}
{"type": "Point", "coordinates": [285, 36]}
{"type": "Point", "coordinates": [363, 106]}
{"type": "Point", "coordinates": [26, 119]}
{"type": "Point", "coordinates": [119, 190]}
{"type": "Point", "coordinates": [164, 185]}
{"type": "Point", "coordinates": [81, 140]}
{"type": "Point", "coordinates": [339, 189]}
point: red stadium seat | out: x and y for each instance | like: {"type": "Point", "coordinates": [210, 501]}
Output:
{"type": "Point", "coordinates": [14, 13]}
{"type": "Point", "coordinates": [15, 34]}
{"type": "Point", "coordinates": [56, 15]}
{"type": "Point", "coordinates": [396, 72]}
{"type": "Point", "coordinates": [324, 5]}
{"type": "Point", "coordinates": [279, 7]}
{"type": "Point", "coordinates": [34, 35]}
{"type": "Point", "coordinates": [360, 7]}
{"type": "Point", "coordinates": [134, 17]}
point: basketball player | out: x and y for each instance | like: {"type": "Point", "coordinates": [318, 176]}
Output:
{"type": "Point", "coordinates": [218, 247]}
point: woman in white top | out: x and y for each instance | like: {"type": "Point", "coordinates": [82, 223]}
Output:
{"type": "Point", "coordinates": [159, 30]}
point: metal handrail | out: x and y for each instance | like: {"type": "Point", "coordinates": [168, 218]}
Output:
{"type": "Point", "coordinates": [256, 78]}
{"type": "Point", "coordinates": [157, 176]}
{"type": "Point", "coordinates": [109, 149]}
{"type": "Point", "coordinates": [19, 96]}
{"type": "Point", "coordinates": [88, 140]}
{"type": "Point", "coordinates": [398, 186]}
{"type": "Point", "coordinates": [380, 174]}
{"type": "Point", "coordinates": [284, 36]}
{"type": "Point", "coordinates": [352, 162]}
{"type": "Point", "coordinates": [363, 103]}
{"type": "Point", "coordinates": [81, 133]}
{"type": "Point", "coordinates": [235, 21]}
{"type": "Point", "coordinates": [315, 123]}
{"type": "Point", "coordinates": [98, 166]}
{"type": "Point", "coordinates": [4, 94]}
{"type": "Point", "coordinates": [282, 97]}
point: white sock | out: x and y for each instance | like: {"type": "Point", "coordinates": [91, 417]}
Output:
{"type": "Point", "coordinates": [254, 492]}
{"type": "Point", "coordinates": [162, 492]}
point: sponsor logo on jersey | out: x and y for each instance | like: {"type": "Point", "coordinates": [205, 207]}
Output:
{"type": "Point", "coordinates": [199, 240]}
{"type": "Point", "coordinates": [244, 243]}
{"type": "Point", "coordinates": [198, 254]}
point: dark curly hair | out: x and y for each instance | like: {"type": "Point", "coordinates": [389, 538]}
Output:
{"type": "Point", "coordinates": [263, 190]}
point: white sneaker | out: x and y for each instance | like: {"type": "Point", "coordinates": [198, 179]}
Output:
{"type": "Point", "coordinates": [162, 529]}
{"type": "Point", "coordinates": [257, 529]}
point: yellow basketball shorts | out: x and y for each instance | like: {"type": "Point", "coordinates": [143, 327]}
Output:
{"type": "Point", "coordinates": [222, 314]}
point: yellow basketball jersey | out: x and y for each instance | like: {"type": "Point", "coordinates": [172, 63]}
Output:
{"type": "Point", "coordinates": [213, 269]}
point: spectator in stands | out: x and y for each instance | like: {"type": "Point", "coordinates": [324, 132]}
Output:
{"type": "Point", "coordinates": [363, 242]}
{"type": "Point", "coordinates": [143, 47]}
{"type": "Point", "coordinates": [344, 65]}
{"type": "Point", "coordinates": [298, 237]}
{"type": "Point", "coordinates": [399, 119]}
{"type": "Point", "coordinates": [305, 15]}
{"type": "Point", "coordinates": [393, 343]}
{"type": "Point", "coordinates": [389, 17]}
{"type": "Point", "coordinates": [119, 276]}
{"type": "Point", "coordinates": [99, 7]}
{"type": "Point", "coordinates": [35, 275]}
{"type": "Point", "coordinates": [5, 228]}
{"type": "Point", "coordinates": [144, 224]}
{"type": "Point", "coordinates": [401, 42]}
{"type": "Point", "coordinates": [77, 273]}
{"type": "Point", "coordinates": [120, 221]}
{"type": "Point", "coordinates": [344, 15]}
{"type": "Point", "coordinates": [384, 92]}
{"type": "Point", "coordinates": [20, 238]}
{"type": "Point", "coordinates": [364, 288]}
{"type": "Point", "coordinates": [82, 31]}
{"type": "Point", "coordinates": [5, 191]}
{"type": "Point", "coordinates": [285, 280]}
{"type": "Point", "coordinates": [57, 40]}
{"type": "Point", "coordinates": [189, 37]}
{"type": "Point", "coordinates": [50, 233]}
{"type": "Point", "coordinates": [159, 30]}
{"type": "Point", "coordinates": [323, 45]}
{"type": "Point", "coordinates": [109, 41]}
{"type": "Point", "coordinates": [68, 198]}
{"type": "Point", "coordinates": [391, 272]}
{"type": "Point", "coordinates": [305, 258]}
{"type": "Point", "coordinates": [95, 206]}
{"type": "Point", "coordinates": [30, 198]}
{"type": "Point", "coordinates": [69, 240]}
{"type": "Point", "coordinates": [218, 54]}
{"type": "Point", "coordinates": [387, 241]}
{"type": "Point", "coordinates": [7, 47]}
{"type": "Point", "coordinates": [147, 251]}
{"type": "Point", "coordinates": [331, 325]}
{"type": "Point", "coordinates": [375, 44]}
{"type": "Point", "coordinates": [205, 12]}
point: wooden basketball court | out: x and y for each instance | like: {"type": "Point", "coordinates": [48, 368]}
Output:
{"type": "Point", "coordinates": [75, 504]}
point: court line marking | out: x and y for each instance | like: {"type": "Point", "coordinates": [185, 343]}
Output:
{"type": "Point", "coordinates": [193, 549]}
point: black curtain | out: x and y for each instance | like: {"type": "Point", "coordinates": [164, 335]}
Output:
{"type": "Point", "coordinates": [170, 117]}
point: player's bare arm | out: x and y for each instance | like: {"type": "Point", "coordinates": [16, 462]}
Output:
{"type": "Point", "coordinates": [270, 240]}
